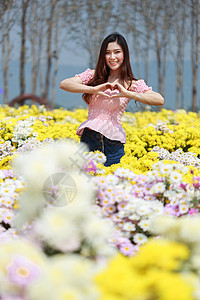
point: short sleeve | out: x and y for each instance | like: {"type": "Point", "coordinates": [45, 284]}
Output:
{"type": "Point", "coordinates": [85, 76]}
{"type": "Point", "coordinates": [140, 87]}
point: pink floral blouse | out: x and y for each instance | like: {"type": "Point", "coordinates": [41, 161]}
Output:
{"type": "Point", "coordinates": [104, 114]}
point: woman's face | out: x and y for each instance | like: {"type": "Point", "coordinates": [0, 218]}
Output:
{"type": "Point", "coordinates": [114, 56]}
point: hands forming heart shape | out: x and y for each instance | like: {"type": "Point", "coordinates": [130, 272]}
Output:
{"type": "Point", "coordinates": [110, 90]}
{"type": "Point", "coordinates": [111, 86]}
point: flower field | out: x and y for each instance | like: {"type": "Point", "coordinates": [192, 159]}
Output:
{"type": "Point", "coordinates": [71, 228]}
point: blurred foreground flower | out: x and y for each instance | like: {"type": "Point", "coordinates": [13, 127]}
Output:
{"type": "Point", "coordinates": [154, 273]}
{"type": "Point", "coordinates": [61, 241]}
{"type": "Point", "coordinates": [58, 202]}
{"type": "Point", "coordinates": [47, 171]}
{"type": "Point", "coordinates": [27, 274]}
{"type": "Point", "coordinates": [184, 230]}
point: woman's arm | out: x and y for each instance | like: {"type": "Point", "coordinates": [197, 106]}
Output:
{"type": "Point", "coordinates": [75, 85]}
{"type": "Point", "coordinates": [149, 97]}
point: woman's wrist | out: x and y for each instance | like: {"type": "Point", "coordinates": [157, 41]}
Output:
{"type": "Point", "coordinates": [131, 95]}
{"type": "Point", "coordinates": [90, 90]}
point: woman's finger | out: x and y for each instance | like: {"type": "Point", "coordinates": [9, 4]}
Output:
{"type": "Point", "coordinates": [100, 93]}
{"type": "Point", "coordinates": [117, 95]}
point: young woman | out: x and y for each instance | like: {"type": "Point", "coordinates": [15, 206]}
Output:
{"type": "Point", "coordinates": [107, 91]}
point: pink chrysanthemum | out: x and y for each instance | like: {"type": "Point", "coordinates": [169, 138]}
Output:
{"type": "Point", "coordinates": [22, 271]}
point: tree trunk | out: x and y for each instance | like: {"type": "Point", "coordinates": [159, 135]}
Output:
{"type": "Point", "coordinates": [40, 66]}
{"type": "Point", "coordinates": [146, 76]}
{"type": "Point", "coordinates": [158, 55]}
{"type": "Point", "coordinates": [23, 48]}
{"type": "Point", "coordinates": [3, 50]}
{"type": "Point", "coordinates": [6, 47]}
{"type": "Point", "coordinates": [55, 61]}
{"type": "Point", "coordinates": [48, 51]}
{"type": "Point", "coordinates": [194, 50]}
{"type": "Point", "coordinates": [161, 33]}
{"type": "Point", "coordinates": [34, 33]}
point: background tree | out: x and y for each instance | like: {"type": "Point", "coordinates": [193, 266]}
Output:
{"type": "Point", "coordinates": [194, 6]}
{"type": "Point", "coordinates": [24, 8]}
{"type": "Point", "coordinates": [93, 22]}
{"type": "Point", "coordinates": [179, 22]}
{"type": "Point", "coordinates": [45, 33]}
{"type": "Point", "coordinates": [7, 19]}
{"type": "Point", "coordinates": [50, 23]}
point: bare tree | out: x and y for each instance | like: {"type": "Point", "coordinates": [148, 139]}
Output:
{"type": "Point", "coordinates": [179, 33]}
{"type": "Point", "coordinates": [131, 24]}
{"type": "Point", "coordinates": [145, 11]}
{"type": "Point", "coordinates": [181, 38]}
{"type": "Point", "coordinates": [6, 21]}
{"type": "Point", "coordinates": [55, 56]}
{"type": "Point", "coordinates": [195, 45]}
{"type": "Point", "coordinates": [36, 27]}
{"type": "Point", "coordinates": [33, 34]}
{"type": "Point", "coordinates": [24, 8]}
{"type": "Point", "coordinates": [142, 30]}
{"type": "Point", "coordinates": [93, 21]}
{"type": "Point", "coordinates": [49, 45]}
{"type": "Point", "coordinates": [160, 32]}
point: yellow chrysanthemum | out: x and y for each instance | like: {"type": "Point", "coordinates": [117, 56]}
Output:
{"type": "Point", "coordinates": [154, 273]}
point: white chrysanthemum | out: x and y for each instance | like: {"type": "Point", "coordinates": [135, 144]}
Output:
{"type": "Point", "coordinates": [36, 166]}
{"type": "Point", "coordinates": [112, 179]}
{"type": "Point", "coordinates": [128, 226]}
{"type": "Point", "coordinates": [157, 207]}
{"type": "Point", "coordinates": [121, 172]}
{"type": "Point", "coordinates": [58, 231]}
{"type": "Point", "coordinates": [41, 168]}
{"type": "Point", "coordinates": [189, 229]}
{"type": "Point", "coordinates": [101, 182]}
{"type": "Point", "coordinates": [145, 224]}
{"type": "Point", "coordinates": [69, 277]}
{"type": "Point", "coordinates": [152, 176]}
{"type": "Point", "coordinates": [110, 191]}
{"type": "Point", "coordinates": [134, 217]}
{"type": "Point", "coordinates": [99, 158]}
{"type": "Point", "coordinates": [175, 177]}
{"type": "Point", "coordinates": [67, 228]}
{"type": "Point", "coordinates": [131, 207]}
{"type": "Point", "coordinates": [165, 169]}
{"type": "Point", "coordinates": [164, 225]}
{"type": "Point", "coordinates": [100, 171]}
{"type": "Point", "coordinates": [140, 238]}
{"type": "Point", "coordinates": [158, 188]}
{"type": "Point", "coordinates": [144, 211]}
{"type": "Point", "coordinates": [183, 209]}
{"type": "Point", "coordinates": [123, 213]}
{"type": "Point", "coordinates": [127, 196]}
{"type": "Point", "coordinates": [97, 228]}
{"type": "Point", "coordinates": [46, 160]}
{"type": "Point", "coordinates": [70, 154]}
{"type": "Point", "coordinates": [190, 193]}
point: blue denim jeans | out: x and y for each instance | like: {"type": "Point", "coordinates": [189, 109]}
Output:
{"type": "Point", "coordinates": [112, 149]}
